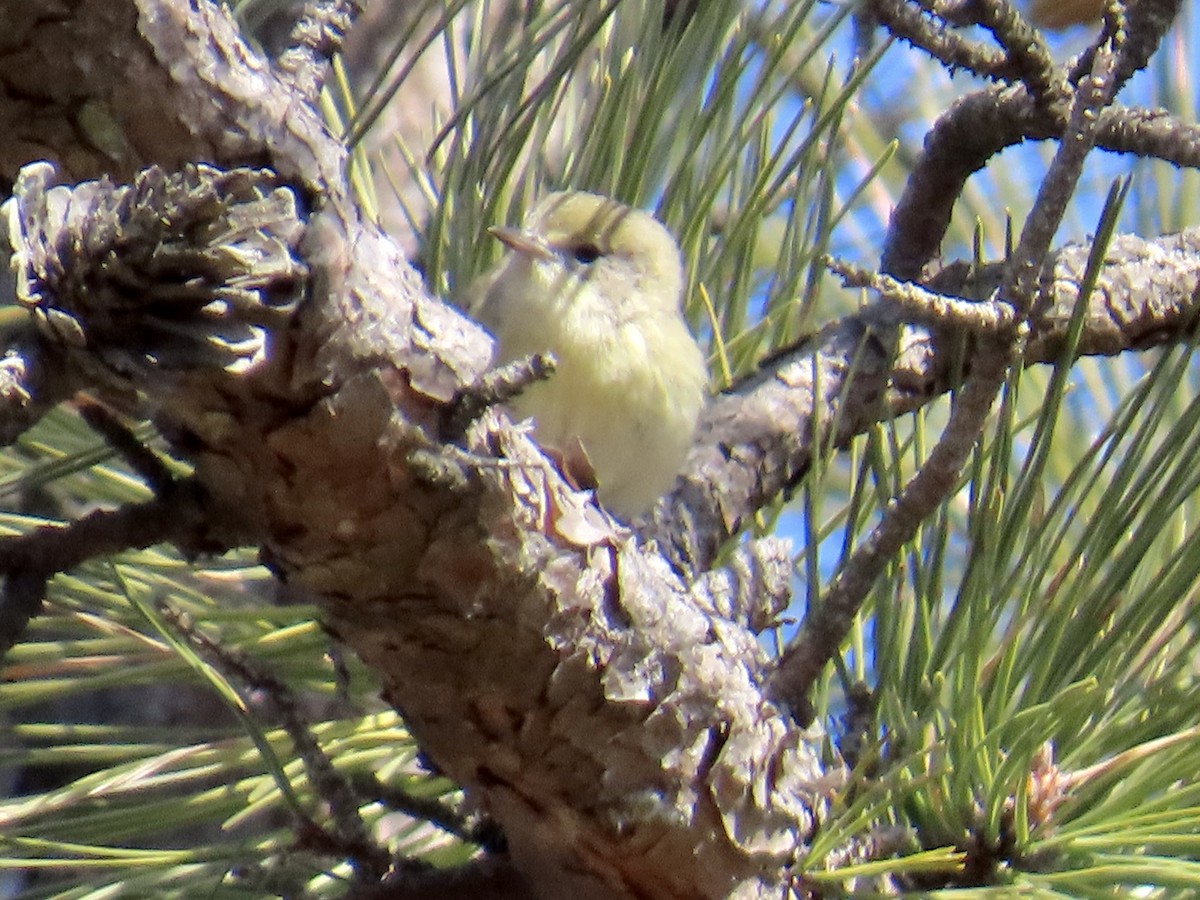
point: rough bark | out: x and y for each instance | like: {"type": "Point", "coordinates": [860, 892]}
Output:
{"type": "Point", "coordinates": [597, 689]}
{"type": "Point", "coordinates": [544, 657]}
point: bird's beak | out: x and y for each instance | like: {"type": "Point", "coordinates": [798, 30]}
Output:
{"type": "Point", "coordinates": [522, 241]}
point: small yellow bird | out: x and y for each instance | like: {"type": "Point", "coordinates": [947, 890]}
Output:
{"type": "Point", "coordinates": [600, 285]}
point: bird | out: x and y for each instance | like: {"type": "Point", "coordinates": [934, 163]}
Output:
{"type": "Point", "coordinates": [599, 284]}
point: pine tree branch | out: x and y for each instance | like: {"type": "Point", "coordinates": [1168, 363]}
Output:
{"type": "Point", "coordinates": [182, 515]}
{"type": "Point", "coordinates": [759, 439]}
{"type": "Point", "coordinates": [981, 125]}
{"type": "Point", "coordinates": [602, 696]}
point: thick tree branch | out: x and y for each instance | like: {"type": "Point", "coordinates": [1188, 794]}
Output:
{"type": "Point", "coordinates": [601, 696]}
{"type": "Point", "coordinates": [759, 439]}
{"type": "Point", "coordinates": [579, 691]}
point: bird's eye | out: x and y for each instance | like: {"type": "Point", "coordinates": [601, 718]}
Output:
{"type": "Point", "coordinates": [586, 253]}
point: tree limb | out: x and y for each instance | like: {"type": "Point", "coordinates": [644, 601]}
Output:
{"type": "Point", "coordinates": [599, 694]}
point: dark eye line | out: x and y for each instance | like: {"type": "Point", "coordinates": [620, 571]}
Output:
{"type": "Point", "coordinates": [585, 253]}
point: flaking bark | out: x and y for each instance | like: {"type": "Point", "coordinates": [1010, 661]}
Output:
{"type": "Point", "coordinates": [598, 692]}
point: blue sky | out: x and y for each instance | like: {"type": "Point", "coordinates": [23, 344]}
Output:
{"type": "Point", "coordinates": [1162, 200]}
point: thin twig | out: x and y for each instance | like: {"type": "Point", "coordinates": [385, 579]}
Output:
{"type": "Point", "coordinates": [350, 835]}
{"type": "Point", "coordinates": [981, 125]}
{"type": "Point", "coordinates": [1024, 50]}
{"type": "Point", "coordinates": [469, 829]}
{"type": "Point", "coordinates": [496, 386]}
{"type": "Point", "coordinates": [913, 303]}
{"type": "Point", "coordinates": [826, 626]}
{"type": "Point", "coordinates": [146, 464]}
{"type": "Point", "coordinates": [182, 515]}
{"type": "Point", "coordinates": [908, 22]}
